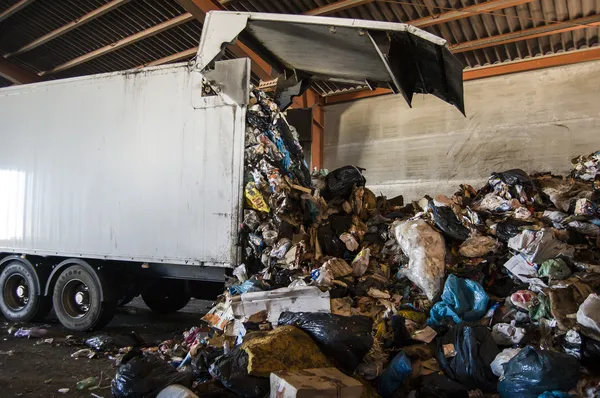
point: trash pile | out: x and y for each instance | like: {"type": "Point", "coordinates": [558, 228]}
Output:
{"type": "Point", "coordinates": [488, 291]}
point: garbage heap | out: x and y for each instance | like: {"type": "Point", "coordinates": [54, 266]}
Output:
{"type": "Point", "coordinates": [488, 291]}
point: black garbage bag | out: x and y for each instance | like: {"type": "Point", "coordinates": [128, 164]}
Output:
{"type": "Point", "coordinates": [340, 182]}
{"type": "Point", "coordinates": [201, 363]}
{"type": "Point", "coordinates": [330, 243]}
{"type": "Point", "coordinates": [532, 372]}
{"type": "Point", "coordinates": [437, 385]}
{"type": "Point", "coordinates": [475, 350]}
{"type": "Point", "coordinates": [445, 219]}
{"type": "Point", "coordinates": [515, 177]}
{"type": "Point", "coordinates": [509, 228]}
{"type": "Point", "coordinates": [402, 336]}
{"type": "Point", "coordinates": [591, 349]}
{"type": "Point", "coordinates": [345, 339]}
{"type": "Point", "coordinates": [145, 377]}
{"type": "Point", "coordinates": [232, 371]}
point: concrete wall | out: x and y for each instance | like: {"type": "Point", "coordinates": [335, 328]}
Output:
{"type": "Point", "coordinates": [535, 120]}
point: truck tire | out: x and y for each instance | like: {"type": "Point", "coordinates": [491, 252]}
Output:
{"type": "Point", "coordinates": [78, 299]}
{"type": "Point", "coordinates": [21, 300]}
{"type": "Point", "coordinates": [166, 296]}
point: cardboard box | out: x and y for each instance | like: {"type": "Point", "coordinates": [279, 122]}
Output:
{"type": "Point", "coordinates": [314, 383]}
{"type": "Point", "coordinates": [274, 302]}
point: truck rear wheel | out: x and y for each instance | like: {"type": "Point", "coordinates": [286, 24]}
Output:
{"type": "Point", "coordinates": [166, 296]}
{"type": "Point", "coordinates": [82, 300]}
{"type": "Point", "coordinates": [21, 300]}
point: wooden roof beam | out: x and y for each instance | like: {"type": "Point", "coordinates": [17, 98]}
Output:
{"type": "Point", "coordinates": [337, 6]}
{"type": "Point", "coordinates": [90, 16]}
{"type": "Point", "coordinates": [190, 52]}
{"type": "Point", "coordinates": [547, 61]}
{"type": "Point", "coordinates": [144, 34]}
{"type": "Point", "coordinates": [199, 8]}
{"type": "Point", "coordinates": [465, 12]}
{"type": "Point", "coordinates": [18, 6]}
{"type": "Point", "coordinates": [560, 27]}
{"type": "Point", "coordinates": [16, 74]}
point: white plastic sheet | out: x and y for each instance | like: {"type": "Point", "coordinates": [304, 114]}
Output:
{"type": "Point", "coordinates": [505, 356]}
{"type": "Point", "coordinates": [539, 246]}
{"type": "Point", "coordinates": [426, 251]}
{"type": "Point", "coordinates": [588, 316]}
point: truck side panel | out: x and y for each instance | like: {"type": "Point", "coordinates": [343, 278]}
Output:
{"type": "Point", "coordinates": [121, 166]}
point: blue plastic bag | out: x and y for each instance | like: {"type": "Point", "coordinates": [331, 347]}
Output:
{"type": "Point", "coordinates": [533, 372]}
{"type": "Point", "coordinates": [555, 394]}
{"type": "Point", "coordinates": [392, 377]}
{"type": "Point", "coordinates": [462, 300]}
{"type": "Point", "coordinates": [248, 286]}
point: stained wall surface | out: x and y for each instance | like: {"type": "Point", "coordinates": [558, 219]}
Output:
{"type": "Point", "coordinates": [534, 120]}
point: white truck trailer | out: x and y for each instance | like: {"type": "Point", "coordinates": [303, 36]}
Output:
{"type": "Point", "coordinates": [131, 182]}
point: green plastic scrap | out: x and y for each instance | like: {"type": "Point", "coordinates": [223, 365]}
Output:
{"type": "Point", "coordinates": [542, 310]}
{"type": "Point", "coordinates": [555, 269]}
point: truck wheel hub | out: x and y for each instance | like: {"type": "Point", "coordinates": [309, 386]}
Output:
{"type": "Point", "coordinates": [76, 298]}
{"type": "Point", "coordinates": [15, 292]}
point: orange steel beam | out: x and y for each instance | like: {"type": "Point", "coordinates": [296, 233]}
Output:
{"type": "Point", "coordinates": [337, 6]}
{"type": "Point", "coordinates": [581, 23]}
{"type": "Point", "coordinates": [354, 95]}
{"type": "Point", "coordinates": [161, 27]}
{"type": "Point", "coordinates": [90, 16]}
{"type": "Point", "coordinates": [572, 57]}
{"type": "Point", "coordinates": [548, 61]}
{"type": "Point", "coordinates": [16, 74]}
{"type": "Point", "coordinates": [311, 99]}
{"type": "Point", "coordinates": [318, 129]}
{"type": "Point", "coordinates": [465, 12]}
{"type": "Point", "coordinates": [18, 6]}
{"type": "Point", "coordinates": [199, 8]}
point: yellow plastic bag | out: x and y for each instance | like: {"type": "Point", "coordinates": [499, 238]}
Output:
{"type": "Point", "coordinates": [255, 198]}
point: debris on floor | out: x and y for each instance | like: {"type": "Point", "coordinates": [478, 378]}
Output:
{"type": "Point", "coordinates": [487, 291]}
{"type": "Point", "coordinates": [31, 332]}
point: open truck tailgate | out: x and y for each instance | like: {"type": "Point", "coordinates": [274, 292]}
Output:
{"type": "Point", "coordinates": [302, 48]}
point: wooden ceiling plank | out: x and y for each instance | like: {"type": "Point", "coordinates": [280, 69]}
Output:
{"type": "Point", "coordinates": [90, 16]}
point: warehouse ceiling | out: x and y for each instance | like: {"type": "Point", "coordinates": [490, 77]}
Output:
{"type": "Point", "coordinates": [51, 39]}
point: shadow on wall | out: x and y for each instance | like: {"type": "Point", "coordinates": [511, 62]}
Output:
{"type": "Point", "coordinates": [535, 120]}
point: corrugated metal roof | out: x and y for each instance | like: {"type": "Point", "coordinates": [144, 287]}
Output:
{"type": "Point", "coordinates": [4, 82]}
{"type": "Point", "coordinates": [177, 39]}
{"type": "Point", "coordinates": [126, 20]}
{"type": "Point", "coordinates": [39, 18]}
{"type": "Point", "coordinates": [43, 16]}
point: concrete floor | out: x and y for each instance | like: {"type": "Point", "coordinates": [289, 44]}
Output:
{"type": "Point", "coordinates": [28, 369]}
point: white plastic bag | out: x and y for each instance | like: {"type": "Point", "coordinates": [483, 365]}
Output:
{"type": "Point", "coordinates": [426, 252]}
{"type": "Point", "coordinates": [507, 333]}
{"type": "Point", "coordinates": [493, 202]}
{"type": "Point", "coordinates": [505, 356]}
{"type": "Point", "coordinates": [361, 262]}
{"type": "Point", "coordinates": [588, 316]}
{"type": "Point", "coordinates": [539, 246]}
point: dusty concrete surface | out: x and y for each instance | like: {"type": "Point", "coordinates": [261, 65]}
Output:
{"type": "Point", "coordinates": [35, 370]}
